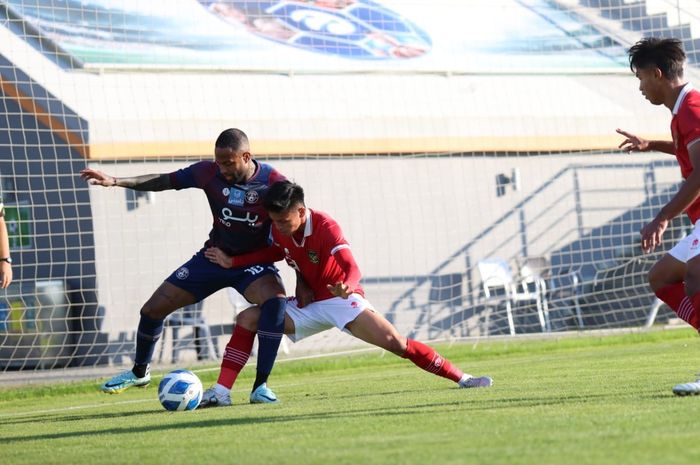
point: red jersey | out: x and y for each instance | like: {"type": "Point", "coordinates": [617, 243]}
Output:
{"type": "Point", "coordinates": [685, 129]}
{"type": "Point", "coordinates": [313, 257]}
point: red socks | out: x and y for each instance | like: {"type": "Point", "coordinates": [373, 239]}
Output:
{"type": "Point", "coordinates": [674, 296]}
{"type": "Point", "coordinates": [694, 318]}
{"type": "Point", "coordinates": [236, 355]}
{"type": "Point", "coordinates": [426, 358]}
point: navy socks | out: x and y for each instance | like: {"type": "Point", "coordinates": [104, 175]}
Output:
{"type": "Point", "coordinates": [147, 335]}
{"type": "Point", "coordinates": [270, 331]}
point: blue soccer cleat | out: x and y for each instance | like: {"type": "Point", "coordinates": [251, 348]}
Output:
{"type": "Point", "coordinates": [263, 395]}
{"type": "Point", "coordinates": [472, 382]}
{"type": "Point", "coordinates": [124, 381]}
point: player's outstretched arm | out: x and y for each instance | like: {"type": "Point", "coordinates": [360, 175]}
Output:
{"type": "Point", "coordinates": [339, 289]}
{"type": "Point", "coordinates": [633, 143]}
{"type": "Point", "coordinates": [146, 182]}
{"type": "Point", "coordinates": [347, 263]}
{"type": "Point", "coordinates": [5, 266]}
{"type": "Point", "coordinates": [267, 255]}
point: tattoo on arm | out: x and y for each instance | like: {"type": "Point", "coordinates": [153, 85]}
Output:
{"type": "Point", "coordinates": [147, 182]}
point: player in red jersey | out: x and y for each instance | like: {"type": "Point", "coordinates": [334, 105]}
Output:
{"type": "Point", "coordinates": [675, 278]}
{"type": "Point", "coordinates": [234, 184]}
{"type": "Point", "coordinates": [329, 295]}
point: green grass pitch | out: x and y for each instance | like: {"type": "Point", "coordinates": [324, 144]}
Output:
{"type": "Point", "coordinates": [576, 400]}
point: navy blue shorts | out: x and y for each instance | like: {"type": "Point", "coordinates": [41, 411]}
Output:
{"type": "Point", "coordinates": [202, 278]}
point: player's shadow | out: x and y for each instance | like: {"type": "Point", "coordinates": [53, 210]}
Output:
{"type": "Point", "coordinates": [391, 411]}
{"type": "Point", "coordinates": [466, 404]}
{"type": "Point", "coordinates": [41, 417]}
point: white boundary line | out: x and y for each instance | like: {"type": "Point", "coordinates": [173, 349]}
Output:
{"type": "Point", "coordinates": [75, 407]}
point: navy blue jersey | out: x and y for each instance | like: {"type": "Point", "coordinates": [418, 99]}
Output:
{"type": "Point", "coordinates": [240, 223]}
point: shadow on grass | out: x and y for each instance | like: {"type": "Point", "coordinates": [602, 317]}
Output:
{"type": "Point", "coordinates": [41, 417]}
{"type": "Point", "coordinates": [466, 404]}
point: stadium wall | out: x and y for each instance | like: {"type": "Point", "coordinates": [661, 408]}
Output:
{"type": "Point", "coordinates": [49, 220]}
{"type": "Point", "coordinates": [147, 114]}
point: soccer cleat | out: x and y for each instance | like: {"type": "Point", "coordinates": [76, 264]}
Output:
{"type": "Point", "coordinates": [687, 389]}
{"type": "Point", "coordinates": [263, 395]}
{"type": "Point", "coordinates": [472, 382]}
{"type": "Point", "coordinates": [124, 381]}
{"type": "Point", "coordinates": [211, 399]}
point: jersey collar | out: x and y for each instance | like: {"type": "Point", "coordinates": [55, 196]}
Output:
{"type": "Point", "coordinates": [308, 229]}
{"type": "Point", "coordinates": [684, 91]}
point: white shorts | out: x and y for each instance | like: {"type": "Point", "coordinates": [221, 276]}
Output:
{"type": "Point", "coordinates": [325, 314]}
{"type": "Point", "coordinates": [688, 247]}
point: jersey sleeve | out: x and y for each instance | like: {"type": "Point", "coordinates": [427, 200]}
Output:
{"type": "Point", "coordinates": [195, 175]}
{"type": "Point", "coordinates": [269, 254]}
{"type": "Point", "coordinates": [347, 262]}
{"type": "Point", "coordinates": [276, 176]}
{"type": "Point", "coordinates": [333, 239]}
{"type": "Point", "coordinates": [690, 125]}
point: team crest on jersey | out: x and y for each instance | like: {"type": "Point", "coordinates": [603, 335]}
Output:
{"type": "Point", "coordinates": [226, 191]}
{"type": "Point", "coordinates": [313, 256]}
{"type": "Point", "coordinates": [252, 197]}
{"type": "Point", "coordinates": [694, 245]}
{"type": "Point", "coordinates": [182, 273]}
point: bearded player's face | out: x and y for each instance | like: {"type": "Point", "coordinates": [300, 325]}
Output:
{"type": "Point", "coordinates": [234, 166]}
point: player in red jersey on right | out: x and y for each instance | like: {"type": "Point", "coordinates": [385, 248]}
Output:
{"type": "Point", "coordinates": [675, 278]}
{"type": "Point", "coordinates": [329, 295]}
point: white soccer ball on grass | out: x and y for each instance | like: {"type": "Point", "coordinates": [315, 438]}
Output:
{"type": "Point", "coordinates": [180, 390]}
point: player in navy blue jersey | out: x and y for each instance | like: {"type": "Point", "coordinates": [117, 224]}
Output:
{"type": "Point", "coordinates": [234, 184]}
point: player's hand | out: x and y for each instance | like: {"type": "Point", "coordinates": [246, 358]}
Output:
{"type": "Point", "coordinates": [5, 274]}
{"type": "Point", "coordinates": [632, 143]}
{"type": "Point", "coordinates": [652, 234]}
{"type": "Point", "coordinates": [339, 289]}
{"type": "Point", "coordinates": [304, 294]}
{"type": "Point", "coordinates": [98, 178]}
{"type": "Point", "coordinates": [216, 255]}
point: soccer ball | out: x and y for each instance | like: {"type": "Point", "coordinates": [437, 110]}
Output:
{"type": "Point", "coordinates": [180, 390]}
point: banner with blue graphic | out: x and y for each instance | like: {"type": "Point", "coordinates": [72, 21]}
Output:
{"type": "Point", "coordinates": [324, 35]}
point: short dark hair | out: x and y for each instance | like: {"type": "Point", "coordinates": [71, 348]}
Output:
{"type": "Point", "coordinates": [232, 138]}
{"type": "Point", "coordinates": [282, 196]}
{"type": "Point", "coordinates": [665, 54]}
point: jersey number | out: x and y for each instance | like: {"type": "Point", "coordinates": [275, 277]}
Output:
{"type": "Point", "coordinates": [257, 269]}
